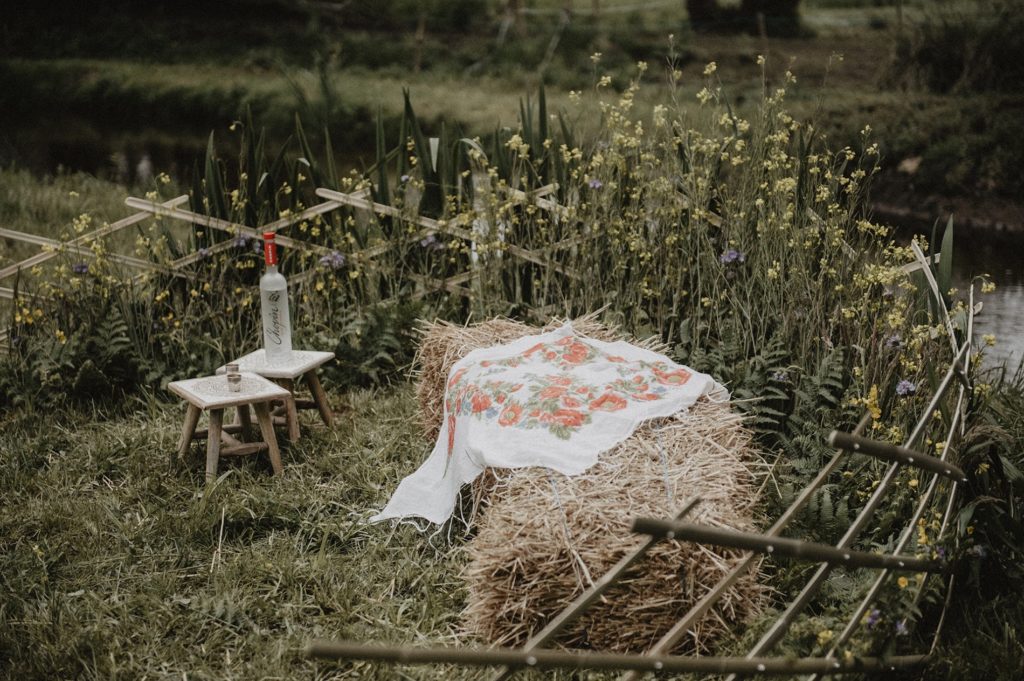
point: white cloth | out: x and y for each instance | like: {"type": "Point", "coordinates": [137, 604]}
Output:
{"type": "Point", "coordinates": [555, 399]}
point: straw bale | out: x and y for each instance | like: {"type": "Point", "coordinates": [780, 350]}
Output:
{"type": "Point", "coordinates": [541, 538]}
{"type": "Point", "coordinates": [535, 549]}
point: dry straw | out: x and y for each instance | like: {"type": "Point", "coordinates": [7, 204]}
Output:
{"type": "Point", "coordinates": [542, 538]}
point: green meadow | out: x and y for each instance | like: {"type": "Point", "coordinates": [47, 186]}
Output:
{"type": "Point", "coordinates": [717, 190]}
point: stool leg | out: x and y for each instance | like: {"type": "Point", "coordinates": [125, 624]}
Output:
{"type": "Point", "coordinates": [291, 411]}
{"type": "Point", "coordinates": [213, 444]}
{"type": "Point", "coordinates": [246, 420]}
{"type": "Point", "coordinates": [188, 430]}
{"type": "Point", "coordinates": [267, 429]}
{"type": "Point", "coordinates": [320, 398]}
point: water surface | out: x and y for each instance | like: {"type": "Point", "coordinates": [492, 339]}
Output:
{"type": "Point", "coordinates": [1001, 256]}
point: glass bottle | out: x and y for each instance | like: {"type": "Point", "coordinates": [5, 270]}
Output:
{"type": "Point", "coordinates": [277, 327]}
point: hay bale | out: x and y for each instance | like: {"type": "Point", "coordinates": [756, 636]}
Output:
{"type": "Point", "coordinates": [535, 550]}
{"type": "Point", "coordinates": [542, 537]}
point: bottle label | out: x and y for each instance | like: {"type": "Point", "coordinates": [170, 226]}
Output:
{"type": "Point", "coordinates": [273, 327]}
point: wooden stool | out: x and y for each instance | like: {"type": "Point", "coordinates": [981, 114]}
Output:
{"type": "Point", "coordinates": [303, 364]}
{"type": "Point", "coordinates": [211, 393]}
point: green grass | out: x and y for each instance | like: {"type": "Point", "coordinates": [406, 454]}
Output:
{"type": "Point", "coordinates": [114, 566]}
{"type": "Point", "coordinates": [968, 144]}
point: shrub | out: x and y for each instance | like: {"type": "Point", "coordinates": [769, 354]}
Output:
{"type": "Point", "coordinates": [960, 48]}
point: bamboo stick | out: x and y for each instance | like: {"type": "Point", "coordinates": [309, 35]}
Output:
{"type": "Point", "coordinates": [893, 453]}
{"type": "Point", "coordinates": [223, 225]}
{"type": "Point", "coordinates": [779, 546]}
{"type": "Point", "coordinates": [557, 659]}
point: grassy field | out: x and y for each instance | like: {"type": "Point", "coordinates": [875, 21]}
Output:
{"type": "Point", "coordinates": [116, 567]}
{"type": "Point", "coordinates": [155, 92]}
{"type": "Point", "coordinates": [714, 220]}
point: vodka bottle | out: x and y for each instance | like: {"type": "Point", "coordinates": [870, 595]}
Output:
{"type": "Point", "coordinates": [277, 326]}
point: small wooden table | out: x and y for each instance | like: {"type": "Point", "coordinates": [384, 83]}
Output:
{"type": "Point", "coordinates": [211, 393]}
{"type": "Point", "coordinates": [303, 364]}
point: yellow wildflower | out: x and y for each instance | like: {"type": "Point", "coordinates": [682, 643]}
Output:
{"type": "Point", "coordinates": [871, 403]}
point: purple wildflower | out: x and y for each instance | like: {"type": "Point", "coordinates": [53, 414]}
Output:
{"type": "Point", "coordinates": [204, 252]}
{"type": "Point", "coordinates": [431, 242]}
{"type": "Point", "coordinates": [403, 179]}
{"type": "Point", "coordinates": [241, 241]}
{"type": "Point", "coordinates": [334, 260]}
{"type": "Point", "coordinates": [873, 618]}
{"type": "Point", "coordinates": [80, 268]}
{"type": "Point", "coordinates": [906, 388]}
{"type": "Point", "coordinates": [257, 247]}
{"type": "Point", "coordinates": [978, 550]}
{"type": "Point", "coordinates": [893, 341]}
{"type": "Point", "coordinates": [780, 376]}
{"type": "Point", "coordinates": [730, 256]}
{"type": "Point", "coordinates": [901, 628]}
{"type": "Point", "coordinates": [940, 553]}
{"type": "Point", "coordinates": [595, 184]}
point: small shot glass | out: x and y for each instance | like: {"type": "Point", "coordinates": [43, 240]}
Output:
{"type": "Point", "coordinates": [235, 382]}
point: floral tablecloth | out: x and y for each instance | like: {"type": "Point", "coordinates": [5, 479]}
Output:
{"type": "Point", "coordinates": [555, 399]}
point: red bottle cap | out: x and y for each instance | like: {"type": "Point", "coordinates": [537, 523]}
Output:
{"type": "Point", "coordinates": [270, 249]}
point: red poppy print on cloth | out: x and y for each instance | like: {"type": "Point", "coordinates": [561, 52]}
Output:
{"type": "Point", "coordinates": [558, 400]}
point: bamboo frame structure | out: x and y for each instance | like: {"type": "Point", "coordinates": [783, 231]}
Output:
{"type": "Point", "coordinates": [333, 200]}
{"type": "Point", "coordinates": [451, 228]}
{"type": "Point", "coordinates": [106, 230]}
{"type": "Point", "coordinates": [956, 424]}
{"type": "Point", "coordinates": [796, 606]}
{"type": "Point", "coordinates": [130, 261]}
